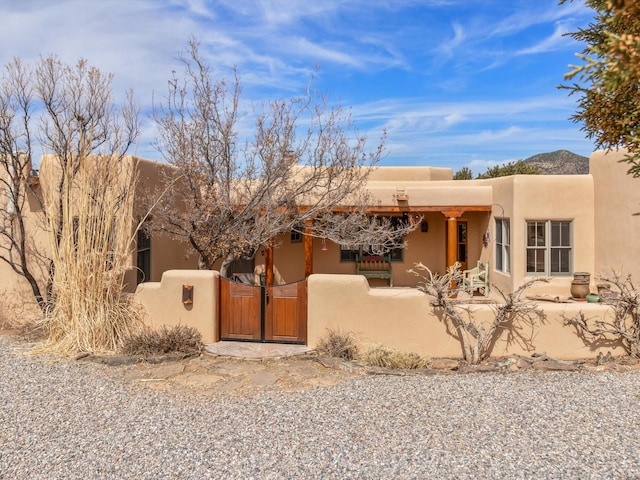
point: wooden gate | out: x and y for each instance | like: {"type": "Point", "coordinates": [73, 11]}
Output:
{"type": "Point", "coordinates": [263, 314]}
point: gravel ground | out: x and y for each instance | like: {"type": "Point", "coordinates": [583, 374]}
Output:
{"type": "Point", "coordinates": [68, 420]}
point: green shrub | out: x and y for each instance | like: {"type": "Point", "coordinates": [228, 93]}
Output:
{"type": "Point", "coordinates": [177, 339]}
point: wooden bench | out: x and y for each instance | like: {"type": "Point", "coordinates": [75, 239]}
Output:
{"type": "Point", "coordinates": [375, 266]}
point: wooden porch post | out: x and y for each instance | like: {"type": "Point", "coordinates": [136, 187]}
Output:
{"type": "Point", "coordinates": [452, 231]}
{"type": "Point", "coordinates": [268, 264]}
{"type": "Point", "coordinates": [452, 235]}
{"type": "Point", "coordinates": [308, 251]}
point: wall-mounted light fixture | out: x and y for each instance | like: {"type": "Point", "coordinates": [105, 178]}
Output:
{"type": "Point", "coordinates": [187, 294]}
{"type": "Point", "coordinates": [486, 238]}
{"type": "Point", "coordinates": [424, 226]}
{"type": "Point", "coordinates": [324, 245]}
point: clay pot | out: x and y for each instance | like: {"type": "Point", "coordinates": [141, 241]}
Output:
{"type": "Point", "coordinates": [592, 298]}
{"type": "Point", "coordinates": [604, 289]}
{"type": "Point", "coordinates": [581, 277]}
{"type": "Point", "coordinates": [579, 289]}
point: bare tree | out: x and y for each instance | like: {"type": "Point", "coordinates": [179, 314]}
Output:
{"type": "Point", "coordinates": [305, 167]}
{"type": "Point", "coordinates": [16, 112]}
{"type": "Point", "coordinates": [67, 111]}
{"type": "Point", "coordinates": [83, 201]}
{"type": "Point", "coordinates": [81, 119]}
{"type": "Point", "coordinates": [623, 328]}
{"type": "Point", "coordinates": [88, 206]}
{"type": "Point", "coordinates": [477, 338]}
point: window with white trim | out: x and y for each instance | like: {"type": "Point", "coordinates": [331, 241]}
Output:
{"type": "Point", "coordinates": [503, 245]}
{"type": "Point", "coordinates": [549, 247]}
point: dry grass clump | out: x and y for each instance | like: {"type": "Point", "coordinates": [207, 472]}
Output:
{"type": "Point", "coordinates": [388, 357]}
{"type": "Point", "coordinates": [89, 218]}
{"type": "Point", "coordinates": [338, 344]}
{"type": "Point", "coordinates": [177, 339]}
{"type": "Point", "coordinates": [5, 322]}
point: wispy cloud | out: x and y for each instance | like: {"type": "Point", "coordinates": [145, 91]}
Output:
{"type": "Point", "coordinates": [553, 42]}
{"type": "Point", "coordinates": [449, 47]}
{"type": "Point", "coordinates": [452, 81]}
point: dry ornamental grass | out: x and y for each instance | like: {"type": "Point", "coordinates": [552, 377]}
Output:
{"type": "Point", "coordinates": [90, 239]}
{"type": "Point", "coordinates": [178, 339]}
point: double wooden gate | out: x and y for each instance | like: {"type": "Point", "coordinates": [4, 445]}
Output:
{"type": "Point", "coordinates": [263, 314]}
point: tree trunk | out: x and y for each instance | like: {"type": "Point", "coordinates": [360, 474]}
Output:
{"type": "Point", "coordinates": [225, 265]}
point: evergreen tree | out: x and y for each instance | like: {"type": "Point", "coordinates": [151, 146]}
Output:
{"type": "Point", "coordinates": [608, 80]}
{"type": "Point", "coordinates": [512, 168]}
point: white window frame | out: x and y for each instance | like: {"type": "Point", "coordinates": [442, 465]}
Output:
{"type": "Point", "coordinates": [503, 245]}
{"type": "Point", "coordinates": [546, 249]}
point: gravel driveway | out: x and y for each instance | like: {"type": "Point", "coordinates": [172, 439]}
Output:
{"type": "Point", "coordinates": [72, 420]}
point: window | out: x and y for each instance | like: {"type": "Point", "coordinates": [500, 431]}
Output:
{"type": "Point", "coordinates": [396, 254]}
{"type": "Point", "coordinates": [503, 245]}
{"type": "Point", "coordinates": [549, 247]}
{"type": "Point", "coordinates": [144, 256]}
{"type": "Point", "coordinates": [349, 255]}
{"type": "Point", "coordinates": [296, 235]}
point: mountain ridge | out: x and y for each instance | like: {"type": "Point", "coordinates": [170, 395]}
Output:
{"type": "Point", "coordinates": [559, 162]}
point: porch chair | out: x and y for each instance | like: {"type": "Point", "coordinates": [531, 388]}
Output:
{"type": "Point", "coordinates": [476, 278]}
{"type": "Point", "coordinates": [375, 266]}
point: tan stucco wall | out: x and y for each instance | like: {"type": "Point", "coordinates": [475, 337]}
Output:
{"type": "Point", "coordinates": [17, 303]}
{"type": "Point", "coordinates": [399, 317]}
{"type": "Point", "coordinates": [166, 253]}
{"type": "Point", "coordinates": [163, 305]}
{"type": "Point", "coordinates": [616, 203]}
{"type": "Point", "coordinates": [543, 197]}
{"type": "Point", "coordinates": [403, 318]}
{"type": "Point", "coordinates": [16, 296]}
{"type": "Point", "coordinates": [422, 173]}
{"type": "Point", "coordinates": [430, 194]}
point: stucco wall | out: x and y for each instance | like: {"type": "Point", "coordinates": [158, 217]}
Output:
{"type": "Point", "coordinates": [16, 296]}
{"type": "Point", "coordinates": [163, 305]}
{"type": "Point", "coordinates": [616, 203]}
{"type": "Point", "coordinates": [166, 253]}
{"type": "Point", "coordinates": [423, 173]}
{"type": "Point", "coordinates": [543, 197]}
{"type": "Point", "coordinates": [17, 302]}
{"type": "Point", "coordinates": [403, 318]}
{"type": "Point", "coordinates": [399, 317]}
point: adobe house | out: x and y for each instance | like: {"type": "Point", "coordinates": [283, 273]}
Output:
{"type": "Point", "coordinates": [521, 226]}
{"type": "Point", "coordinates": [16, 298]}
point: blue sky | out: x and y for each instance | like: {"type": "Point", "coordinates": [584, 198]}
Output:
{"type": "Point", "coordinates": [454, 82]}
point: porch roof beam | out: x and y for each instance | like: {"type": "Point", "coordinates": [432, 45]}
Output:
{"type": "Point", "coordinates": [422, 209]}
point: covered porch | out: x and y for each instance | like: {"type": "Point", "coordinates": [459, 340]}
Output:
{"type": "Point", "coordinates": [445, 235]}
{"type": "Point", "coordinates": [454, 224]}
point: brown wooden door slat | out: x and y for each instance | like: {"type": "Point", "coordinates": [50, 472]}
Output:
{"type": "Point", "coordinates": [286, 313]}
{"type": "Point", "coordinates": [240, 307]}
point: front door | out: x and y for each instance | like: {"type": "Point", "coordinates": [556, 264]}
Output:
{"type": "Point", "coordinates": [461, 247]}
{"type": "Point", "coordinates": [461, 243]}
{"type": "Point", "coordinates": [263, 314]}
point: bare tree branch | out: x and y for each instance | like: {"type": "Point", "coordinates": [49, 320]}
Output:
{"type": "Point", "coordinates": [306, 165]}
{"type": "Point", "coordinates": [621, 330]}
{"type": "Point", "coordinates": [477, 338]}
